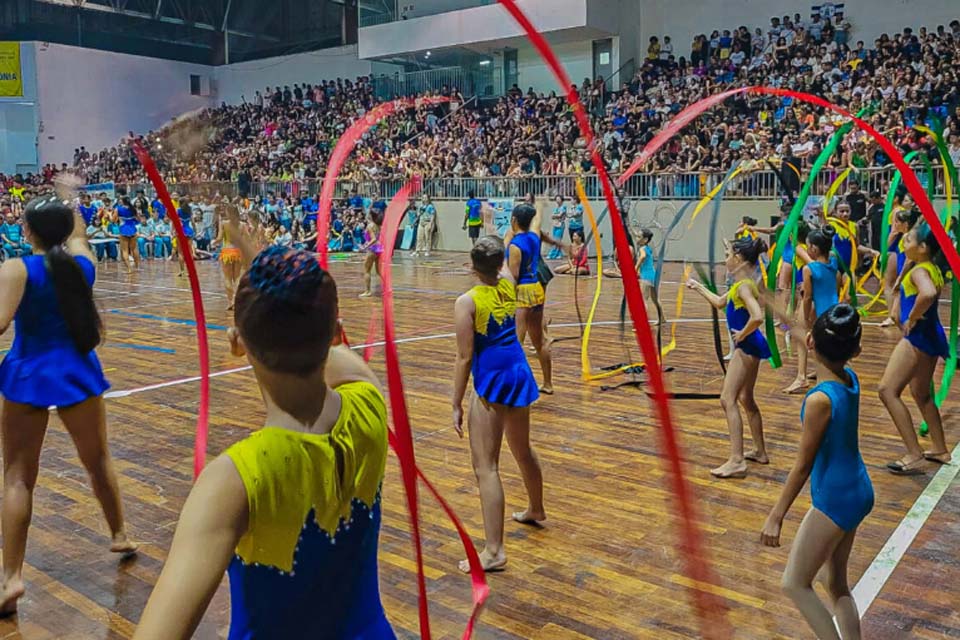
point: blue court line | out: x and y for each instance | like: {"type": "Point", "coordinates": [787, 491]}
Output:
{"type": "Point", "coordinates": [150, 316]}
{"type": "Point", "coordinates": [139, 347]}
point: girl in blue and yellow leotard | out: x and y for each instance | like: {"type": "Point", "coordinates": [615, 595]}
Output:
{"type": "Point", "coordinates": [297, 504]}
{"type": "Point", "coordinates": [829, 454]}
{"type": "Point", "coordinates": [903, 221]}
{"type": "Point", "coordinates": [819, 290]}
{"type": "Point", "coordinates": [744, 318]}
{"type": "Point", "coordinates": [914, 359]}
{"type": "Point", "coordinates": [523, 260]}
{"type": "Point", "coordinates": [488, 347]}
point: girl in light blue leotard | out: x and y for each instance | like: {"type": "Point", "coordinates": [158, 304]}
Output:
{"type": "Point", "coordinates": [819, 289]}
{"type": "Point", "coordinates": [647, 271]}
{"type": "Point", "coordinates": [829, 454]}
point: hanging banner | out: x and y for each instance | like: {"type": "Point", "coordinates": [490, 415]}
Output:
{"type": "Point", "coordinates": [11, 79]}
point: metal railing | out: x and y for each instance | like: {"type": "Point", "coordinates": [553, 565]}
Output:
{"type": "Point", "coordinates": [470, 82]}
{"type": "Point", "coordinates": [642, 186]}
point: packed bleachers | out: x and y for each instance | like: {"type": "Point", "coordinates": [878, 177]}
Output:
{"type": "Point", "coordinates": [286, 134]}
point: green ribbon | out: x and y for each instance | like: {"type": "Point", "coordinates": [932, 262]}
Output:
{"type": "Point", "coordinates": [789, 228]}
{"type": "Point", "coordinates": [950, 367]}
{"type": "Point", "coordinates": [888, 206]}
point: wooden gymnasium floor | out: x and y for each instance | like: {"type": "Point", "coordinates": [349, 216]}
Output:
{"type": "Point", "coordinates": [605, 566]}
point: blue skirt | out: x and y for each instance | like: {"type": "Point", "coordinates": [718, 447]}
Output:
{"type": "Point", "coordinates": [755, 345]}
{"type": "Point", "coordinates": [128, 229]}
{"type": "Point", "coordinates": [59, 377]}
{"type": "Point", "coordinates": [502, 375]}
{"type": "Point", "coordinates": [930, 338]}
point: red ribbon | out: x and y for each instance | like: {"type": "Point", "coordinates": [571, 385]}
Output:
{"type": "Point", "coordinates": [402, 439]}
{"type": "Point", "coordinates": [371, 336]}
{"type": "Point", "coordinates": [203, 412]}
{"type": "Point", "coordinates": [342, 151]}
{"type": "Point", "coordinates": [711, 610]}
{"type": "Point", "coordinates": [910, 180]}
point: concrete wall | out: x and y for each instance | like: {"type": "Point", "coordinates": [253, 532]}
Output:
{"type": "Point", "coordinates": [93, 98]}
{"type": "Point", "coordinates": [245, 78]}
{"type": "Point", "coordinates": [684, 244]}
{"type": "Point", "coordinates": [576, 57]}
{"type": "Point", "coordinates": [19, 120]}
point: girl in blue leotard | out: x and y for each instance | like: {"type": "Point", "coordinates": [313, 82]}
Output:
{"type": "Point", "coordinates": [185, 214]}
{"type": "Point", "coordinates": [647, 270]}
{"type": "Point", "coordinates": [297, 503]}
{"type": "Point", "coordinates": [819, 290]}
{"type": "Point", "coordinates": [523, 258]}
{"type": "Point", "coordinates": [487, 346]}
{"type": "Point", "coordinates": [914, 359]}
{"type": "Point", "coordinates": [744, 319]}
{"type": "Point", "coordinates": [829, 454]}
{"type": "Point", "coordinates": [128, 233]}
{"type": "Point", "coordinates": [51, 363]}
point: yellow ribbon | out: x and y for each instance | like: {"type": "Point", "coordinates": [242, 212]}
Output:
{"type": "Point", "coordinates": [713, 194]}
{"type": "Point", "coordinates": [832, 191]}
{"type": "Point", "coordinates": [948, 187]}
{"type": "Point", "coordinates": [585, 366]}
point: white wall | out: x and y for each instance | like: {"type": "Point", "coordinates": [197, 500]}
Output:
{"type": "Point", "coordinates": [576, 58]}
{"type": "Point", "coordinates": [93, 98]}
{"type": "Point", "coordinates": [683, 19]}
{"type": "Point", "coordinates": [478, 24]}
{"type": "Point", "coordinates": [19, 120]}
{"type": "Point", "coordinates": [245, 78]}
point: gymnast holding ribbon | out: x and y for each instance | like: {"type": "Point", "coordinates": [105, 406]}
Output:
{"type": "Point", "coordinates": [298, 502]}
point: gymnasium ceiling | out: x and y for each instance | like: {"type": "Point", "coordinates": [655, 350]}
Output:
{"type": "Point", "coordinates": [202, 31]}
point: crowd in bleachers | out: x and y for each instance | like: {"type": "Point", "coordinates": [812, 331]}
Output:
{"type": "Point", "coordinates": [286, 134]}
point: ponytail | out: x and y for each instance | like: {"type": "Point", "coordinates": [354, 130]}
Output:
{"type": "Point", "coordinates": [51, 223]}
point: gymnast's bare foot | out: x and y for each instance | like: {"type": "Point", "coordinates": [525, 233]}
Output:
{"type": "Point", "coordinates": [12, 592]}
{"type": "Point", "coordinates": [489, 561]}
{"type": "Point", "coordinates": [530, 516]}
{"type": "Point", "coordinates": [730, 469]}
{"type": "Point", "coordinates": [760, 457]}
{"type": "Point", "coordinates": [120, 544]}
{"type": "Point", "coordinates": [797, 387]}
{"type": "Point", "coordinates": [544, 389]}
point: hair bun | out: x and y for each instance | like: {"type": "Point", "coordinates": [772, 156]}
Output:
{"type": "Point", "coordinates": [845, 321]}
{"type": "Point", "coordinates": [828, 231]}
{"type": "Point", "coordinates": [290, 275]}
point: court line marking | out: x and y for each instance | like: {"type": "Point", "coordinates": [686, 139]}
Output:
{"type": "Point", "coordinates": [888, 558]}
{"type": "Point", "coordinates": [871, 583]}
{"type": "Point", "coordinates": [139, 347]}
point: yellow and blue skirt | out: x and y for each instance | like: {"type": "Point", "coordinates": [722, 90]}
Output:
{"type": "Point", "coordinates": [530, 296]}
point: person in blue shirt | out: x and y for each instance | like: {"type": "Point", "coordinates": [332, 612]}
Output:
{"type": "Point", "coordinates": [11, 235]}
{"type": "Point", "coordinates": [472, 218]}
{"type": "Point", "coordinates": [157, 206]}
{"type": "Point", "coordinates": [145, 236]}
{"type": "Point", "coordinates": [52, 363]}
{"type": "Point", "coordinates": [575, 218]}
{"type": "Point", "coordinates": [840, 488]}
{"type": "Point", "coordinates": [185, 213]}
{"type": "Point", "coordinates": [162, 239]}
{"type": "Point", "coordinates": [86, 208]}
{"type": "Point", "coordinates": [356, 202]}
{"type": "Point", "coordinates": [426, 227]}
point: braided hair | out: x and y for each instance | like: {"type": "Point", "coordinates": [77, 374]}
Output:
{"type": "Point", "coordinates": [286, 311]}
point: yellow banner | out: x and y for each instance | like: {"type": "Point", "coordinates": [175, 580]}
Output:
{"type": "Point", "coordinates": [11, 79]}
